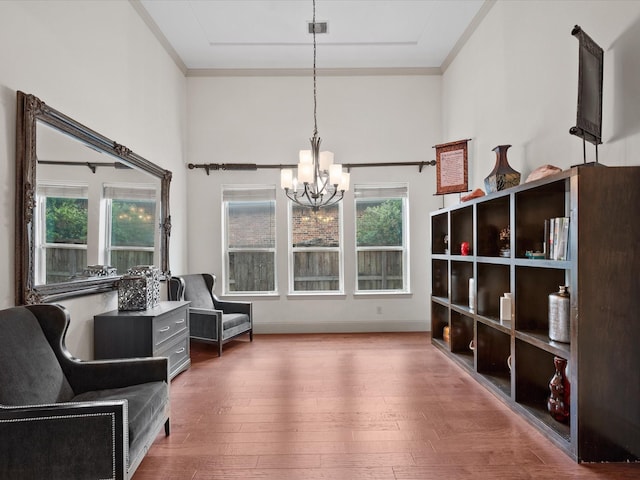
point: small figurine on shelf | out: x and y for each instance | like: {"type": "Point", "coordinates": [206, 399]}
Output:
{"type": "Point", "coordinates": [505, 242]}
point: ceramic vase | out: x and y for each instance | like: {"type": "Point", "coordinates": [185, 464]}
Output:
{"type": "Point", "coordinates": [558, 402]}
{"type": "Point", "coordinates": [502, 176]}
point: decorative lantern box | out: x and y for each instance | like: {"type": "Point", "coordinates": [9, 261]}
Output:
{"type": "Point", "coordinates": [99, 271]}
{"type": "Point", "coordinates": [134, 293]}
{"type": "Point", "coordinates": [152, 273]}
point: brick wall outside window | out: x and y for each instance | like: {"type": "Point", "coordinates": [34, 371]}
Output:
{"type": "Point", "coordinates": [321, 228]}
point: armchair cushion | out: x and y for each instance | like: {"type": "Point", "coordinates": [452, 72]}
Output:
{"type": "Point", "coordinates": [30, 373]}
{"type": "Point", "coordinates": [230, 320]}
{"type": "Point", "coordinates": [196, 291]}
{"type": "Point", "coordinates": [145, 403]}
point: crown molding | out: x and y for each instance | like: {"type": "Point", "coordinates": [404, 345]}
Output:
{"type": "Point", "coordinates": [484, 10]}
{"type": "Point", "coordinates": [137, 6]}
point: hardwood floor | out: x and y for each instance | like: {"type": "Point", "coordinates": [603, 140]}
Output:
{"type": "Point", "coordinates": [347, 407]}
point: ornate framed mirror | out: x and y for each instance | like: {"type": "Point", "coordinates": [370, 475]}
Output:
{"type": "Point", "coordinates": [84, 203]}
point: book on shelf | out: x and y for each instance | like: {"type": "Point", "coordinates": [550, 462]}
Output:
{"type": "Point", "coordinates": [556, 238]}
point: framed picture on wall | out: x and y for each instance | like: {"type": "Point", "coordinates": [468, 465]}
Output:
{"type": "Point", "coordinates": [452, 167]}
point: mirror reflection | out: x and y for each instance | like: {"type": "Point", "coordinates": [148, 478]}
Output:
{"type": "Point", "coordinates": [87, 208]}
{"type": "Point", "coordinates": [95, 214]}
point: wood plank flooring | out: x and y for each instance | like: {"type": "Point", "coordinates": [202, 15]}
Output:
{"type": "Point", "coordinates": [383, 406]}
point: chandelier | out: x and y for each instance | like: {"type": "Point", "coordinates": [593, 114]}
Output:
{"type": "Point", "coordinates": [319, 181]}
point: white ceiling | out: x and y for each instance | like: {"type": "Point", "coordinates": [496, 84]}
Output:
{"type": "Point", "coordinates": [273, 34]}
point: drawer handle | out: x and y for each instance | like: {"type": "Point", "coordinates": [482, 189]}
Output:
{"type": "Point", "coordinates": [180, 350]}
{"type": "Point", "coordinates": [180, 321]}
{"type": "Point", "coordinates": [164, 329]}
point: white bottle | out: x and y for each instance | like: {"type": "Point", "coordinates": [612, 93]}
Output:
{"type": "Point", "coordinates": [505, 309]}
{"type": "Point", "coordinates": [509, 295]}
{"type": "Point", "coordinates": [472, 294]}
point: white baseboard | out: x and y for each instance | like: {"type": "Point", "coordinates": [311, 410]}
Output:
{"type": "Point", "coordinates": [342, 327]}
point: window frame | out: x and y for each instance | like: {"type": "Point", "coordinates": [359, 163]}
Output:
{"type": "Point", "coordinates": [364, 192]}
{"type": "Point", "coordinates": [249, 194]}
{"type": "Point", "coordinates": [58, 190]}
{"type": "Point", "coordinates": [107, 220]}
{"type": "Point", "coordinates": [293, 250]}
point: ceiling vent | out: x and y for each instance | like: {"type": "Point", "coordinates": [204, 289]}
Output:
{"type": "Point", "coordinates": [319, 27]}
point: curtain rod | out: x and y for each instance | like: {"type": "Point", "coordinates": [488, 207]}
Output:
{"type": "Point", "coordinates": [90, 165]}
{"type": "Point", "coordinates": [208, 167]}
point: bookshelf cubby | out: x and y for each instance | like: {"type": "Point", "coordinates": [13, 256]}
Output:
{"type": "Point", "coordinates": [601, 270]}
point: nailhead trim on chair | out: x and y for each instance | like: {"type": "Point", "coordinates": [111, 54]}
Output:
{"type": "Point", "coordinates": [61, 417]}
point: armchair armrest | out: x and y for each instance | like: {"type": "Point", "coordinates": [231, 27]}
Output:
{"type": "Point", "coordinates": [86, 376]}
{"type": "Point", "coordinates": [228, 306]}
{"type": "Point", "coordinates": [204, 311]}
{"type": "Point", "coordinates": [64, 441]}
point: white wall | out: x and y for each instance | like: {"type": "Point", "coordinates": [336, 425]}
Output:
{"type": "Point", "coordinates": [515, 82]}
{"type": "Point", "coordinates": [100, 64]}
{"type": "Point", "coordinates": [266, 120]}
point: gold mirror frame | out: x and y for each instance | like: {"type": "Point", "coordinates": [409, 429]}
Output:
{"type": "Point", "coordinates": [31, 110]}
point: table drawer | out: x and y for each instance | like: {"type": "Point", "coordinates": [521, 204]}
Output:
{"type": "Point", "coordinates": [169, 325]}
{"type": "Point", "coordinates": [178, 355]}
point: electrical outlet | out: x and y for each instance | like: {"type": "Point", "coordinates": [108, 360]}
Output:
{"type": "Point", "coordinates": [379, 310]}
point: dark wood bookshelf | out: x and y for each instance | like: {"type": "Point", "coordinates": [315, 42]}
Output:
{"type": "Point", "coordinates": [601, 271]}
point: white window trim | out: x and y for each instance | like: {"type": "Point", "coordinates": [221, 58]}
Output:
{"type": "Point", "coordinates": [249, 189]}
{"type": "Point", "coordinates": [406, 274]}
{"type": "Point", "coordinates": [106, 210]}
{"type": "Point", "coordinates": [55, 190]}
{"type": "Point", "coordinates": [292, 250]}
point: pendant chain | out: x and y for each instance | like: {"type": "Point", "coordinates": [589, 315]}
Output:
{"type": "Point", "coordinates": [315, 118]}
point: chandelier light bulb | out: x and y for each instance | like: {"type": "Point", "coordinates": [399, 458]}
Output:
{"type": "Point", "coordinates": [326, 160]}
{"type": "Point", "coordinates": [286, 178]}
{"type": "Point", "coordinates": [344, 182]}
{"type": "Point", "coordinates": [305, 172]}
{"type": "Point", "coordinates": [335, 173]}
{"type": "Point", "coordinates": [305, 156]}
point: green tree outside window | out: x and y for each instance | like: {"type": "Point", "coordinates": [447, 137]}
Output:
{"type": "Point", "coordinates": [381, 224]}
{"type": "Point", "coordinates": [133, 223]}
{"type": "Point", "coordinates": [66, 220]}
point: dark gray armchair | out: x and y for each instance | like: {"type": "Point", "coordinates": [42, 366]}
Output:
{"type": "Point", "coordinates": [211, 319]}
{"type": "Point", "coordinates": [62, 418]}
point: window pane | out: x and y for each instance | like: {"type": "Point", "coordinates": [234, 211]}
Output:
{"type": "Point", "coordinates": [66, 220]}
{"type": "Point", "coordinates": [123, 260]}
{"type": "Point", "coordinates": [379, 222]}
{"type": "Point", "coordinates": [380, 270]}
{"type": "Point", "coordinates": [64, 263]}
{"type": "Point", "coordinates": [317, 271]}
{"type": "Point", "coordinates": [250, 242]}
{"type": "Point", "coordinates": [381, 253]}
{"type": "Point", "coordinates": [251, 225]}
{"type": "Point", "coordinates": [251, 271]}
{"type": "Point", "coordinates": [133, 224]}
{"type": "Point", "coordinates": [315, 229]}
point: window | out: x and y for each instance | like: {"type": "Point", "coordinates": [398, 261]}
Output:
{"type": "Point", "coordinates": [61, 232]}
{"type": "Point", "coordinates": [381, 238]}
{"type": "Point", "coordinates": [249, 239]}
{"type": "Point", "coordinates": [316, 249]}
{"type": "Point", "coordinates": [131, 226]}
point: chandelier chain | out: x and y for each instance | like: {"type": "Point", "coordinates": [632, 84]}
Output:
{"type": "Point", "coordinates": [315, 102]}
